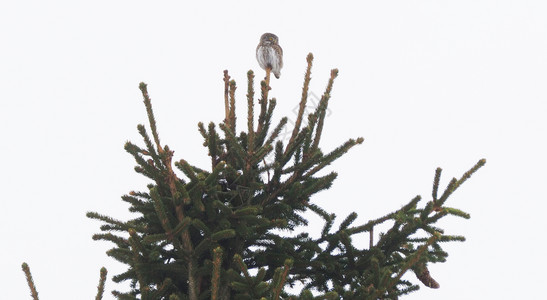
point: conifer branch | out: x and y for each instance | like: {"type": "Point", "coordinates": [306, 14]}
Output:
{"type": "Point", "coordinates": [450, 188]}
{"type": "Point", "coordinates": [250, 107]}
{"type": "Point", "coordinates": [263, 101]}
{"type": "Point", "coordinates": [100, 287]}
{"type": "Point", "coordinates": [306, 147]}
{"type": "Point", "coordinates": [264, 121]}
{"type": "Point", "coordinates": [456, 212]}
{"type": "Point", "coordinates": [455, 183]}
{"type": "Point", "coordinates": [371, 237]}
{"type": "Point", "coordinates": [243, 268]}
{"type": "Point", "coordinates": [28, 275]}
{"type": "Point", "coordinates": [468, 174]}
{"type": "Point", "coordinates": [187, 169]}
{"type": "Point", "coordinates": [166, 156]}
{"type": "Point", "coordinates": [322, 108]}
{"type": "Point", "coordinates": [267, 82]}
{"type": "Point", "coordinates": [119, 241]}
{"type": "Point", "coordinates": [160, 210]}
{"type": "Point", "coordinates": [151, 151]}
{"type": "Point", "coordinates": [322, 213]}
{"type": "Point", "coordinates": [212, 141]}
{"type": "Point", "coordinates": [370, 224]}
{"type": "Point", "coordinates": [226, 99]}
{"type": "Point", "coordinates": [282, 188]}
{"type": "Point", "coordinates": [413, 259]}
{"type": "Point", "coordinates": [215, 281]}
{"type": "Point", "coordinates": [121, 296]}
{"type": "Point", "coordinates": [250, 119]}
{"type": "Point", "coordinates": [347, 221]}
{"type": "Point", "coordinates": [162, 289]}
{"type": "Point", "coordinates": [145, 167]}
{"type": "Point", "coordinates": [136, 249]}
{"type": "Point", "coordinates": [303, 100]}
{"type": "Point", "coordinates": [264, 110]}
{"type": "Point", "coordinates": [119, 224]}
{"type": "Point", "coordinates": [436, 183]}
{"type": "Point", "coordinates": [261, 153]}
{"type": "Point", "coordinates": [239, 152]}
{"type": "Point", "coordinates": [281, 278]}
{"type": "Point", "coordinates": [290, 150]}
{"type": "Point", "coordinates": [223, 234]}
{"type": "Point", "coordinates": [232, 106]}
{"type": "Point", "coordinates": [203, 132]}
{"type": "Point", "coordinates": [277, 129]}
{"type": "Point", "coordinates": [151, 119]}
{"type": "Point", "coordinates": [336, 153]}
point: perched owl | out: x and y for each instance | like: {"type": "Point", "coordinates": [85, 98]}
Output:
{"type": "Point", "coordinates": [269, 54]}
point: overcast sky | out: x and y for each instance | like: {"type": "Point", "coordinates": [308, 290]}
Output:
{"type": "Point", "coordinates": [426, 83]}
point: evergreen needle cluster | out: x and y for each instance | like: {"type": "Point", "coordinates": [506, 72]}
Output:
{"type": "Point", "coordinates": [217, 233]}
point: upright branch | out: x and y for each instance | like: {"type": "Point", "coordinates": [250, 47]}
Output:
{"type": "Point", "coordinates": [262, 118]}
{"type": "Point", "coordinates": [226, 98]}
{"type": "Point", "coordinates": [250, 120]}
{"type": "Point", "coordinates": [34, 292]}
{"type": "Point", "coordinates": [322, 109]}
{"type": "Point", "coordinates": [150, 113]}
{"type": "Point", "coordinates": [267, 78]}
{"type": "Point", "coordinates": [100, 287]}
{"type": "Point", "coordinates": [264, 89]}
{"type": "Point", "coordinates": [28, 275]}
{"type": "Point", "coordinates": [215, 281]}
{"type": "Point", "coordinates": [453, 184]}
{"type": "Point", "coordinates": [303, 101]}
{"type": "Point", "coordinates": [166, 155]}
{"type": "Point", "coordinates": [232, 124]}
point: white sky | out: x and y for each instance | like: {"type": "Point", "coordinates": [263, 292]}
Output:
{"type": "Point", "coordinates": [426, 83]}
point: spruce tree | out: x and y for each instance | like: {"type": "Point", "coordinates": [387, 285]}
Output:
{"type": "Point", "coordinates": [230, 231]}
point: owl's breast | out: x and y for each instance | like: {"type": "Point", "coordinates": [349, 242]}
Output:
{"type": "Point", "coordinates": [267, 57]}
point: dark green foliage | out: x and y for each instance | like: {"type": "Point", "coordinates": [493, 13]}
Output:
{"type": "Point", "coordinates": [216, 234]}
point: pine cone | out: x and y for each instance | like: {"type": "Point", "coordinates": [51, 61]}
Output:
{"type": "Point", "coordinates": [426, 278]}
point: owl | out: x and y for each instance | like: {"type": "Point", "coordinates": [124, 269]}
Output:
{"type": "Point", "coordinates": [269, 54]}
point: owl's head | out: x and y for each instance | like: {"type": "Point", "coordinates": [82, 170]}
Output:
{"type": "Point", "coordinates": [268, 39]}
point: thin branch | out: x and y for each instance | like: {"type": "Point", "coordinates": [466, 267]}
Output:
{"type": "Point", "coordinates": [438, 172]}
{"type": "Point", "coordinates": [148, 104]}
{"type": "Point", "coordinates": [321, 110]}
{"type": "Point", "coordinates": [250, 120]}
{"type": "Point", "coordinates": [302, 108]}
{"type": "Point", "coordinates": [232, 124]}
{"type": "Point", "coordinates": [371, 240]}
{"type": "Point", "coordinates": [215, 280]}
{"type": "Point", "coordinates": [100, 287]}
{"type": "Point", "coordinates": [282, 278]}
{"type": "Point", "coordinates": [267, 79]}
{"type": "Point", "coordinates": [30, 282]}
{"type": "Point", "coordinates": [226, 98]}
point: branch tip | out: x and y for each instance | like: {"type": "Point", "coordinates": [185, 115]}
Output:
{"type": "Point", "coordinates": [309, 58]}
